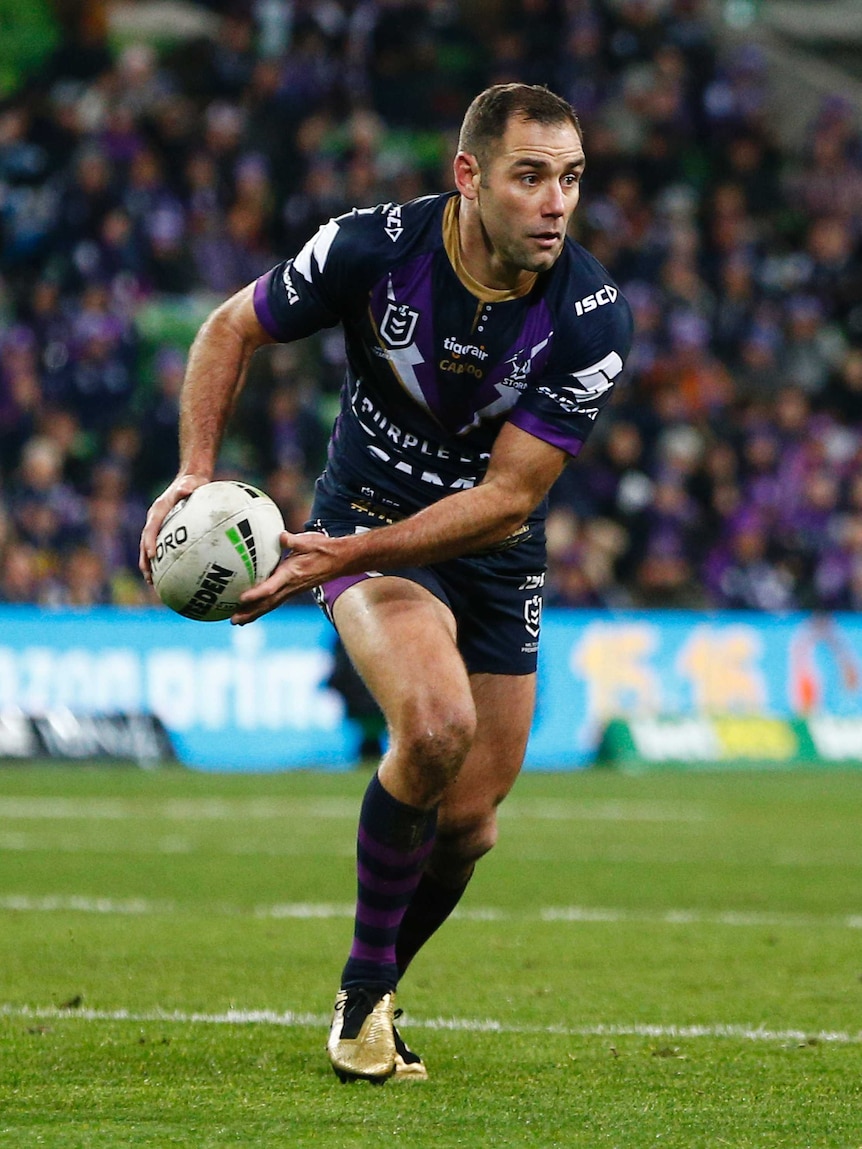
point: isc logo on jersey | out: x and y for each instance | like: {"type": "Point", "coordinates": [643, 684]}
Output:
{"type": "Point", "coordinates": [292, 293]}
{"type": "Point", "coordinates": [606, 294]}
{"type": "Point", "coordinates": [393, 225]}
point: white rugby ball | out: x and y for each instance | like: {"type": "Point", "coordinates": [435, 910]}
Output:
{"type": "Point", "coordinates": [217, 543]}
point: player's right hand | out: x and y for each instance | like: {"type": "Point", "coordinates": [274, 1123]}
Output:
{"type": "Point", "coordinates": [180, 489]}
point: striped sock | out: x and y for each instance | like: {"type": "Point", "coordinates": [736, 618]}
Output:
{"type": "Point", "coordinates": [393, 845]}
{"type": "Point", "coordinates": [430, 906]}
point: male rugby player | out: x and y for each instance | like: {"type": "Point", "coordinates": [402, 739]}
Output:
{"type": "Point", "coordinates": [482, 344]}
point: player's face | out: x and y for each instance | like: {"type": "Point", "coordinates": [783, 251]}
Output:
{"type": "Point", "coordinates": [527, 194]}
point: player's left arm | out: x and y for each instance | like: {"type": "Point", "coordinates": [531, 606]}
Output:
{"type": "Point", "coordinates": [520, 473]}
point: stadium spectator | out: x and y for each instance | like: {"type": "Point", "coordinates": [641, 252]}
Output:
{"type": "Point", "coordinates": [141, 179]}
{"type": "Point", "coordinates": [22, 573]}
{"type": "Point", "coordinates": [84, 581]}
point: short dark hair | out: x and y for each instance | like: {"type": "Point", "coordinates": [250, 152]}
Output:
{"type": "Point", "coordinates": [487, 118]}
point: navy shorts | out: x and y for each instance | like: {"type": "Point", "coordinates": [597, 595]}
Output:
{"type": "Point", "coordinates": [495, 597]}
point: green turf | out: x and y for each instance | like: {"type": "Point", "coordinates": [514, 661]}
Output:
{"type": "Point", "coordinates": [662, 959]}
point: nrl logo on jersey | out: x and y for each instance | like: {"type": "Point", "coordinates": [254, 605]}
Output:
{"type": "Point", "coordinates": [398, 324]}
{"type": "Point", "coordinates": [606, 294]}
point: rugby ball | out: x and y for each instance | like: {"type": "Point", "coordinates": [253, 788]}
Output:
{"type": "Point", "coordinates": [217, 543]}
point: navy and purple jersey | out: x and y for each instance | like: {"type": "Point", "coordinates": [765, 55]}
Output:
{"type": "Point", "coordinates": [437, 363]}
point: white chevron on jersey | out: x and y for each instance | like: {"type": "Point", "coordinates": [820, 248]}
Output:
{"type": "Point", "coordinates": [318, 246]}
{"type": "Point", "coordinates": [593, 381]}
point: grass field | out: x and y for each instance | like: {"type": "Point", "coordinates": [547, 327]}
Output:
{"type": "Point", "coordinates": [658, 960]}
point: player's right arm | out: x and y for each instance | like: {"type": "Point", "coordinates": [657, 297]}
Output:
{"type": "Point", "coordinates": [292, 300]}
{"type": "Point", "coordinates": [215, 374]}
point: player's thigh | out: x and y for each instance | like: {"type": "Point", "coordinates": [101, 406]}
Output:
{"type": "Point", "coordinates": [504, 713]}
{"type": "Point", "coordinates": [402, 641]}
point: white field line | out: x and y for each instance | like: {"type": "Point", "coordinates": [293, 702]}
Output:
{"type": "Point", "coordinates": [232, 810]}
{"type": "Point", "coordinates": [290, 1019]}
{"type": "Point", "coordinates": [60, 903]}
{"type": "Point", "coordinates": [53, 903]}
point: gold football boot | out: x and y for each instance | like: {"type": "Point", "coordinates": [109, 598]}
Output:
{"type": "Point", "coordinates": [409, 1066]}
{"type": "Point", "coordinates": [361, 1043]}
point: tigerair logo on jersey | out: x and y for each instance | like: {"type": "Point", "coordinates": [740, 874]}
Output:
{"type": "Point", "coordinates": [606, 294]}
{"type": "Point", "coordinates": [459, 349]}
{"type": "Point", "coordinates": [461, 354]}
{"type": "Point", "coordinates": [398, 324]}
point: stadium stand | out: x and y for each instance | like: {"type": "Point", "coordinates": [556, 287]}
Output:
{"type": "Point", "coordinates": [149, 167]}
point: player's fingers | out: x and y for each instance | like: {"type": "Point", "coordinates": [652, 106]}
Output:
{"type": "Point", "coordinates": [277, 582]}
{"type": "Point", "coordinates": [264, 589]}
{"type": "Point", "coordinates": [249, 611]}
{"type": "Point", "coordinates": [144, 562]}
{"type": "Point", "coordinates": [178, 490]}
{"type": "Point", "coordinates": [155, 517]}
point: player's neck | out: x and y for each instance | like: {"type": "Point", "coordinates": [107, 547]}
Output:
{"type": "Point", "coordinates": [466, 247]}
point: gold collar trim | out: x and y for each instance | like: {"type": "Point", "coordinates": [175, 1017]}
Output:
{"type": "Point", "coordinates": [452, 244]}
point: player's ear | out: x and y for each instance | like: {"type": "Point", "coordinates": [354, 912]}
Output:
{"type": "Point", "coordinates": [467, 174]}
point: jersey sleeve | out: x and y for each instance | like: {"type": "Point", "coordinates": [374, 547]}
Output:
{"type": "Point", "coordinates": [309, 292]}
{"type": "Point", "coordinates": [589, 352]}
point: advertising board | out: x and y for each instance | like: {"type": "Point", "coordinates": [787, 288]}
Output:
{"type": "Point", "coordinates": [257, 698]}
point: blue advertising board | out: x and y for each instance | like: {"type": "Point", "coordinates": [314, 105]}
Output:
{"type": "Point", "coordinates": [256, 698]}
{"type": "Point", "coordinates": [251, 698]}
{"type": "Point", "coordinates": [596, 666]}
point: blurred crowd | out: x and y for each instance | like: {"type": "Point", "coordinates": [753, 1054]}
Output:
{"type": "Point", "coordinates": [140, 179]}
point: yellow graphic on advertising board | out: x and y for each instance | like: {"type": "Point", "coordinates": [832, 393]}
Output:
{"type": "Point", "coordinates": [614, 662]}
{"type": "Point", "coordinates": [723, 669]}
{"type": "Point", "coordinates": [748, 737]}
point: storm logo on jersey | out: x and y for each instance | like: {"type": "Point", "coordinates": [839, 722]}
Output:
{"type": "Point", "coordinates": [520, 365]}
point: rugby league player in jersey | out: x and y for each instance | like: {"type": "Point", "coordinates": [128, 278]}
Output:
{"type": "Point", "coordinates": [481, 345]}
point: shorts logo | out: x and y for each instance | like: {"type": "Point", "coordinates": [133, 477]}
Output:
{"type": "Point", "coordinates": [533, 615]}
{"type": "Point", "coordinates": [398, 324]}
{"type": "Point", "coordinates": [533, 582]}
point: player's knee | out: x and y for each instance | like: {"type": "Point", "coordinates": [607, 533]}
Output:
{"type": "Point", "coordinates": [435, 744]}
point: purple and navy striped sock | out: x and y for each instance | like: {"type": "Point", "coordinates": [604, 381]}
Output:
{"type": "Point", "coordinates": [430, 906]}
{"type": "Point", "coordinates": [393, 845]}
